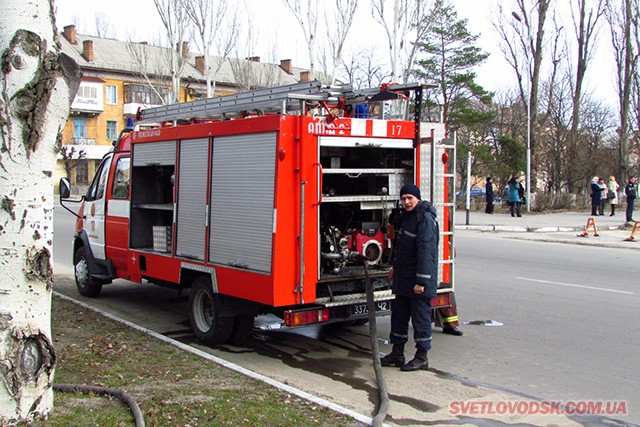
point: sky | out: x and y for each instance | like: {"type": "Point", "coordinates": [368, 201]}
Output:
{"type": "Point", "coordinates": [138, 20]}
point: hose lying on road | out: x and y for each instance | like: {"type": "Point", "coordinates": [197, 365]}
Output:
{"type": "Point", "coordinates": [118, 394]}
{"type": "Point", "coordinates": [373, 336]}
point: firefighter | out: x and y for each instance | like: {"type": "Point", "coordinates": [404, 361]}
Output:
{"type": "Point", "coordinates": [414, 272]}
{"type": "Point", "coordinates": [449, 317]}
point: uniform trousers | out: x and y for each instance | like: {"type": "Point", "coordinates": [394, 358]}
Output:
{"type": "Point", "coordinates": [419, 310]}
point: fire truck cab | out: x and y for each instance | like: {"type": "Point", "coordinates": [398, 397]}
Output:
{"type": "Point", "coordinates": [276, 201]}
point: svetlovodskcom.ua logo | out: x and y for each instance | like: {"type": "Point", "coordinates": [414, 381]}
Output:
{"type": "Point", "coordinates": [531, 407]}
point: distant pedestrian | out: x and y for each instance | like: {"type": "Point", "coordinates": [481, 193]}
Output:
{"type": "Point", "coordinates": [603, 196]}
{"type": "Point", "coordinates": [513, 197]}
{"type": "Point", "coordinates": [489, 194]}
{"type": "Point", "coordinates": [612, 195]}
{"type": "Point", "coordinates": [631, 191]}
{"type": "Point", "coordinates": [596, 195]}
{"type": "Point", "coordinates": [523, 199]}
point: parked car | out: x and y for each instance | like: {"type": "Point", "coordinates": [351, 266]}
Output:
{"type": "Point", "coordinates": [475, 191]}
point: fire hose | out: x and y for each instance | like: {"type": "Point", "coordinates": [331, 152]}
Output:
{"type": "Point", "coordinates": [118, 394]}
{"type": "Point", "coordinates": [375, 353]}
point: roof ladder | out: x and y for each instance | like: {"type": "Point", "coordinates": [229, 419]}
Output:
{"type": "Point", "coordinates": [280, 99]}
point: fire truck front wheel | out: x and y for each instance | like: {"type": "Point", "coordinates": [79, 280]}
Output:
{"type": "Point", "coordinates": [205, 317]}
{"type": "Point", "coordinates": [87, 286]}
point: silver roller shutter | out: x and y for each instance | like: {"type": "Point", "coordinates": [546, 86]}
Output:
{"type": "Point", "coordinates": [192, 198]}
{"type": "Point", "coordinates": [242, 192]}
{"type": "Point", "coordinates": [157, 153]}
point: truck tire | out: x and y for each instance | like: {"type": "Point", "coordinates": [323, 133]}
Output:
{"type": "Point", "coordinates": [87, 286]}
{"type": "Point", "coordinates": [205, 313]}
{"type": "Point", "coordinates": [242, 327]}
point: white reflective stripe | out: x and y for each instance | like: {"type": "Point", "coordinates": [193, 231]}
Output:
{"type": "Point", "coordinates": [398, 335]}
{"type": "Point", "coordinates": [358, 127]}
{"type": "Point", "coordinates": [410, 234]}
{"type": "Point", "coordinates": [424, 276]}
{"type": "Point", "coordinates": [422, 339]}
{"type": "Point", "coordinates": [360, 141]}
{"type": "Point", "coordinates": [118, 208]}
{"type": "Point", "coordinates": [379, 128]}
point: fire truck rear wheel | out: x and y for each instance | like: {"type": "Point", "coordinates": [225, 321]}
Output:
{"type": "Point", "coordinates": [205, 317]}
{"type": "Point", "coordinates": [86, 285]}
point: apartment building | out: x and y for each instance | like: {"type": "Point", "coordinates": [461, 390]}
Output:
{"type": "Point", "coordinates": [120, 76]}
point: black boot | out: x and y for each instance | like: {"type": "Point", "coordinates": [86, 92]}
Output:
{"type": "Point", "coordinates": [395, 358]}
{"type": "Point", "coordinates": [419, 362]}
{"type": "Point", "coordinates": [451, 330]}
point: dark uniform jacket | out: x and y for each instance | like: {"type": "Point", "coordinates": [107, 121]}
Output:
{"type": "Point", "coordinates": [630, 191]}
{"type": "Point", "coordinates": [416, 254]}
{"type": "Point", "coordinates": [596, 194]}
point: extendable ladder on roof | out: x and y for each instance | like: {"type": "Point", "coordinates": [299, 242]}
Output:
{"type": "Point", "coordinates": [289, 99]}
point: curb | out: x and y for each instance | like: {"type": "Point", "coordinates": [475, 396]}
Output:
{"type": "Point", "coordinates": [237, 368]}
{"type": "Point", "coordinates": [525, 229]}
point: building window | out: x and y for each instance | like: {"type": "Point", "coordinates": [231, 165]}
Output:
{"type": "Point", "coordinates": [145, 94]}
{"type": "Point", "coordinates": [79, 129]}
{"type": "Point", "coordinates": [87, 92]}
{"type": "Point", "coordinates": [112, 130]}
{"type": "Point", "coordinates": [82, 171]}
{"type": "Point", "coordinates": [112, 94]}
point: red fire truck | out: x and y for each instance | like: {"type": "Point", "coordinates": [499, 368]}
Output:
{"type": "Point", "coordinates": [265, 202]}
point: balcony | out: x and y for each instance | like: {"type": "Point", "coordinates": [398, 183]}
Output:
{"type": "Point", "coordinates": [131, 109]}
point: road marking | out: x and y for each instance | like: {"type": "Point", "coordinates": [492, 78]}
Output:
{"type": "Point", "coordinates": [577, 286]}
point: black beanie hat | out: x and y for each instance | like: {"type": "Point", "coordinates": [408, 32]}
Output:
{"type": "Point", "coordinates": [410, 189]}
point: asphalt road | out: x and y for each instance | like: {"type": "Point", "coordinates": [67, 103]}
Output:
{"type": "Point", "coordinates": [568, 316]}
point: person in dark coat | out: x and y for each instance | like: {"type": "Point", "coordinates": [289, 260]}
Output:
{"type": "Point", "coordinates": [596, 196]}
{"type": "Point", "coordinates": [489, 194]}
{"type": "Point", "coordinates": [631, 192]}
{"type": "Point", "coordinates": [415, 280]}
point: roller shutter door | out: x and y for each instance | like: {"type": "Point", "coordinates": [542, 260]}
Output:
{"type": "Point", "coordinates": [242, 192]}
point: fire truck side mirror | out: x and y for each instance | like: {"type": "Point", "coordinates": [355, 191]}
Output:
{"type": "Point", "coordinates": [64, 188]}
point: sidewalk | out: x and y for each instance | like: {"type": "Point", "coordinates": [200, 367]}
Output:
{"type": "Point", "coordinates": [560, 227]}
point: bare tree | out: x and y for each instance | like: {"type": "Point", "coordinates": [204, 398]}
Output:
{"type": "Point", "coordinates": [338, 29]}
{"type": "Point", "coordinates": [306, 13]}
{"type": "Point", "coordinates": [70, 154]}
{"type": "Point", "coordinates": [37, 84]}
{"type": "Point", "coordinates": [622, 17]}
{"type": "Point", "coordinates": [152, 64]}
{"type": "Point", "coordinates": [363, 70]}
{"type": "Point", "coordinates": [104, 29]}
{"type": "Point", "coordinates": [585, 26]}
{"type": "Point", "coordinates": [397, 22]}
{"type": "Point", "coordinates": [248, 70]}
{"type": "Point", "coordinates": [217, 24]}
{"type": "Point", "coordinates": [523, 45]}
{"type": "Point", "coordinates": [176, 24]}
{"type": "Point", "coordinates": [422, 21]}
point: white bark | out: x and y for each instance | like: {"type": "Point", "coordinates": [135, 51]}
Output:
{"type": "Point", "coordinates": [34, 105]}
{"type": "Point", "coordinates": [396, 22]}
{"type": "Point", "coordinates": [337, 30]}
{"type": "Point", "coordinates": [306, 13]}
{"type": "Point", "coordinates": [175, 21]}
{"type": "Point", "coordinates": [217, 24]}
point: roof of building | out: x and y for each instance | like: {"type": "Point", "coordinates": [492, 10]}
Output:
{"type": "Point", "coordinates": [138, 58]}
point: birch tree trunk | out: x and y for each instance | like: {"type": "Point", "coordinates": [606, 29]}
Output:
{"type": "Point", "coordinates": [34, 105]}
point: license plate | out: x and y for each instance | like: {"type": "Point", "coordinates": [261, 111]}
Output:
{"type": "Point", "coordinates": [360, 309]}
